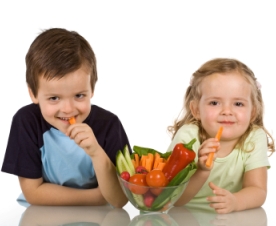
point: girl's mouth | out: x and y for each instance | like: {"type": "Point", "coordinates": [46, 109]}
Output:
{"type": "Point", "coordinates": [227, 123]}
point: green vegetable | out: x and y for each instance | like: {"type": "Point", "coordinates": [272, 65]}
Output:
{"type": "Point", "coordinates": [180, 178]}
{"type": "Point", "coordinates": [139, 200]}
{"type": "Point", "coordinates": [123, 162]}
{"type": "Point", "coordinates": [144, 151]}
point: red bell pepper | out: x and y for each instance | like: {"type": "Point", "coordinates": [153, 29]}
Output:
{"type": "Point", "coordinates": [181, 156]}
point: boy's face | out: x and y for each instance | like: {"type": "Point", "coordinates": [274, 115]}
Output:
{"type": "Point", "coordinates": [61, 99]}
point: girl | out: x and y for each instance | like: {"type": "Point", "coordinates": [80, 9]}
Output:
{"type": "Point", "coordinates": [225, 93]}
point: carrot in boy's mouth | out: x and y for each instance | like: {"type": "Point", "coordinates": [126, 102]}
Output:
{"type": "Point", "coordinates": [211, 155]}
{"type": "Point", "coordinates": [72, 120]}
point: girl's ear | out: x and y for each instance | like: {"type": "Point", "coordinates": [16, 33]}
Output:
{"type": "Point", "coordinates": [33, 98]}
{"type": "Point", "coordinates": [194, 109]}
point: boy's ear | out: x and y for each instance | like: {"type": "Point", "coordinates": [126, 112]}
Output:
{"type": "Point", "coordinates": [33, 98]}
{"type": "Point", "coordinates": [92, 94]}
{"type": "Point", "coordinates": [194, 109]}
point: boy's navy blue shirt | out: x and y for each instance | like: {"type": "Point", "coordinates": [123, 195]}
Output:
{"type": "Point", "coordinates": [36, 149]}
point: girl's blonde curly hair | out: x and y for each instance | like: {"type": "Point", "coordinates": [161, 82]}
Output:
{"type": "Point", "coordinates": [193, 93]}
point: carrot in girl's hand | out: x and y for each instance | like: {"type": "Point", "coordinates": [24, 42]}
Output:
{"type": "Point", "coordinates": [211, 155]}
{"type": "Point", "coordinates": [72, 120]}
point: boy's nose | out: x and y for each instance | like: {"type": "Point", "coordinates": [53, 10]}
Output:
{"type": "Point", "coordinates": [67, 106]}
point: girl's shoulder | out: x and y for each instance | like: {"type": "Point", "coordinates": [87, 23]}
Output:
{"type": "Point", "coordinates": [257, 133]}
{"type": "Point", "coordinates": [189, 127]}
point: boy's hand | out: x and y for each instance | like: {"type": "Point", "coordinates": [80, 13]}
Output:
{"type": "Point", "coordinates": [83, 135]}
{"type": "Point", "coordinates": [223, 201]}
{"type": "Point", "coordinates": [209, 145]}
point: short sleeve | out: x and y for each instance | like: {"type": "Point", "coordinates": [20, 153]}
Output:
{"type": "Point", "coordinates": [184, 135]}
{"type": "Point", "coordinates": [116, 139]}
{"type": "Point", "coordinates": [22, 155]}
{"type": "Point", "coordinates": [257, 150]}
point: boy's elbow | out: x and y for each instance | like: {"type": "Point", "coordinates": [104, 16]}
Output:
{"type": "Point", "coordinates": [120, 203]}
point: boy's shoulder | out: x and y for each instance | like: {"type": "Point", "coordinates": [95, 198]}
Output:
{"type": "Point", "coordinates": [99, 113]}
{"type": "Point", "coordinates": [28, 112]}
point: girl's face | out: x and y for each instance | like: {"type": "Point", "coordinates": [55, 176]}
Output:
{"type": "Point", "coordinates": [61, 99]}
{"type": "Point", "coordinates": [225, 101]}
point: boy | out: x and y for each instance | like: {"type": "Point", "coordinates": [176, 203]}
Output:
{"type": "Point", "coordinates": [58, 163]}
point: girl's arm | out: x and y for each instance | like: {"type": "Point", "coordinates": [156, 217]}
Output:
{"type": "Point", "coordinates": [202, 173]}
{"type": "Point", "coordinates": [252, 195]}
{"type": "Point", "coordinates": [37, 192]}
{"type": "Point", "coordinates": [194, 185]}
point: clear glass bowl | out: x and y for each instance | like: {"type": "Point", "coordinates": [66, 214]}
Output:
{"type": "Point", "coordinates": [152, 199]}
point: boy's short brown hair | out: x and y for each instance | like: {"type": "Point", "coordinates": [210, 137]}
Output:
{"type": "Point", "coordinates": [56, 52]}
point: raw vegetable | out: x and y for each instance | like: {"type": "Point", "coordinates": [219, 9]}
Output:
{"type": "Point", "coordinates": [144, 151]}
{"type": "Point", "coordinates": [122, 164]}
{"type": "Point", "coordinates": [156, 178]}
{"type": "Point", "coordinates": [128, 160]}
{"type": "Point", "coordinates": [182, 177]}
{"type": "Point", "coordinates": [211, 155]}
{"type": "Point", "coordinates": [148, 199]}
{"type": "Point", "coordinates": [181, 156]}
{"type": "Point", "coordinates": [139, 200]}
{"type": "Point", "coordinates": [140, 180]}
{"type": "Point", "coordinates": [72, 120]}
{"type": "Point", "coordinates": [125, 175]}
{"type": "Point", "coordinates": [141, 169]}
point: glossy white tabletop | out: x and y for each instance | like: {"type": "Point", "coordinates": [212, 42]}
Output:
{"type": "Point", "coordinates": [13, 213]}
{"type": "Point", "coordinates": [105, 215]}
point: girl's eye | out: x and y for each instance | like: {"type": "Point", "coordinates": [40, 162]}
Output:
{"type": "Point", "coordinates": [79, 96]}
{"type": "Point", "coordinates": [239, 104]}
{"type": "Point", "coordinates": [214, 103]}
{"type": "Point", "coordinates": [53, 98]}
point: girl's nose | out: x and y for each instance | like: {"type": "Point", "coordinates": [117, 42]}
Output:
{"type": "Point", "coordinates": [226, 110]}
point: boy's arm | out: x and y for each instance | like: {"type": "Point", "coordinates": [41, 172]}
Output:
{"type": "Point", "coordinates": [37, 192]}
{"type": "Point", "coordinates": [107, 179]}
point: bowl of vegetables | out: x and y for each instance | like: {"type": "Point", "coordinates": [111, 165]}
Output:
{"type": "Point", "coordinates": [154, 181]}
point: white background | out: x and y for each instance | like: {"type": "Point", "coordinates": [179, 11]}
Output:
{"type": "Point", "coordinates": [146, 52]}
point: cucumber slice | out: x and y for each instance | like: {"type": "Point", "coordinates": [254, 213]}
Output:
{"type": "Point", "coordinates": [139, 200]}
{"type": "Point", "coordinates": [128, 160]}
{"type": "Point", "coordinates": [121, 163]}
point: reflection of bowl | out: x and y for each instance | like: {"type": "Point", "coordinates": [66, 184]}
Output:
{"type": "Point", "coordinates": [151, 199]}
{"type": "Point", "coordinates": [153, 219]}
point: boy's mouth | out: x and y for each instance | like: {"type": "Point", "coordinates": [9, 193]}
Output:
{"type": "Point", "coordinates": [64, 119]}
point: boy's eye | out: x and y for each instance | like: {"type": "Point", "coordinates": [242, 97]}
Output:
{"type": "Point", "coordinates": [53, 98]}
{"type": "Point", "coordinates": [79, 96]}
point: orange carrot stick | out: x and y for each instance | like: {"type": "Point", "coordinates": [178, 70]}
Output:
{"type": "Point", "coordinates": [160, 165]}
{"type": "Point", "coordinates": [72, 120]}
{"type": "Point", "coordinates": [137, 160]}
{"type": "Point", "coordinates": [211, 155]}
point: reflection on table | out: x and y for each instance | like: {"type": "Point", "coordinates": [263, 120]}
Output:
{"type": "Point", "coordinates": [106, 216]}
{"type": "Point", "coordinates": [74, 216]}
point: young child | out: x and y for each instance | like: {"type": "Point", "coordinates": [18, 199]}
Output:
{"type": "Point", "coordinates": [225, 93]}
{"type": "Point", "coordinates": [58, 163]}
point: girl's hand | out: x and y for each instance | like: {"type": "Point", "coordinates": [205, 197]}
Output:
{"type": "Point", "coordinates": [83, 135]}
{"type": "Point", "coordinates": [223, 201]}
{"type": "Point", "coordinates": [209, 145]}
